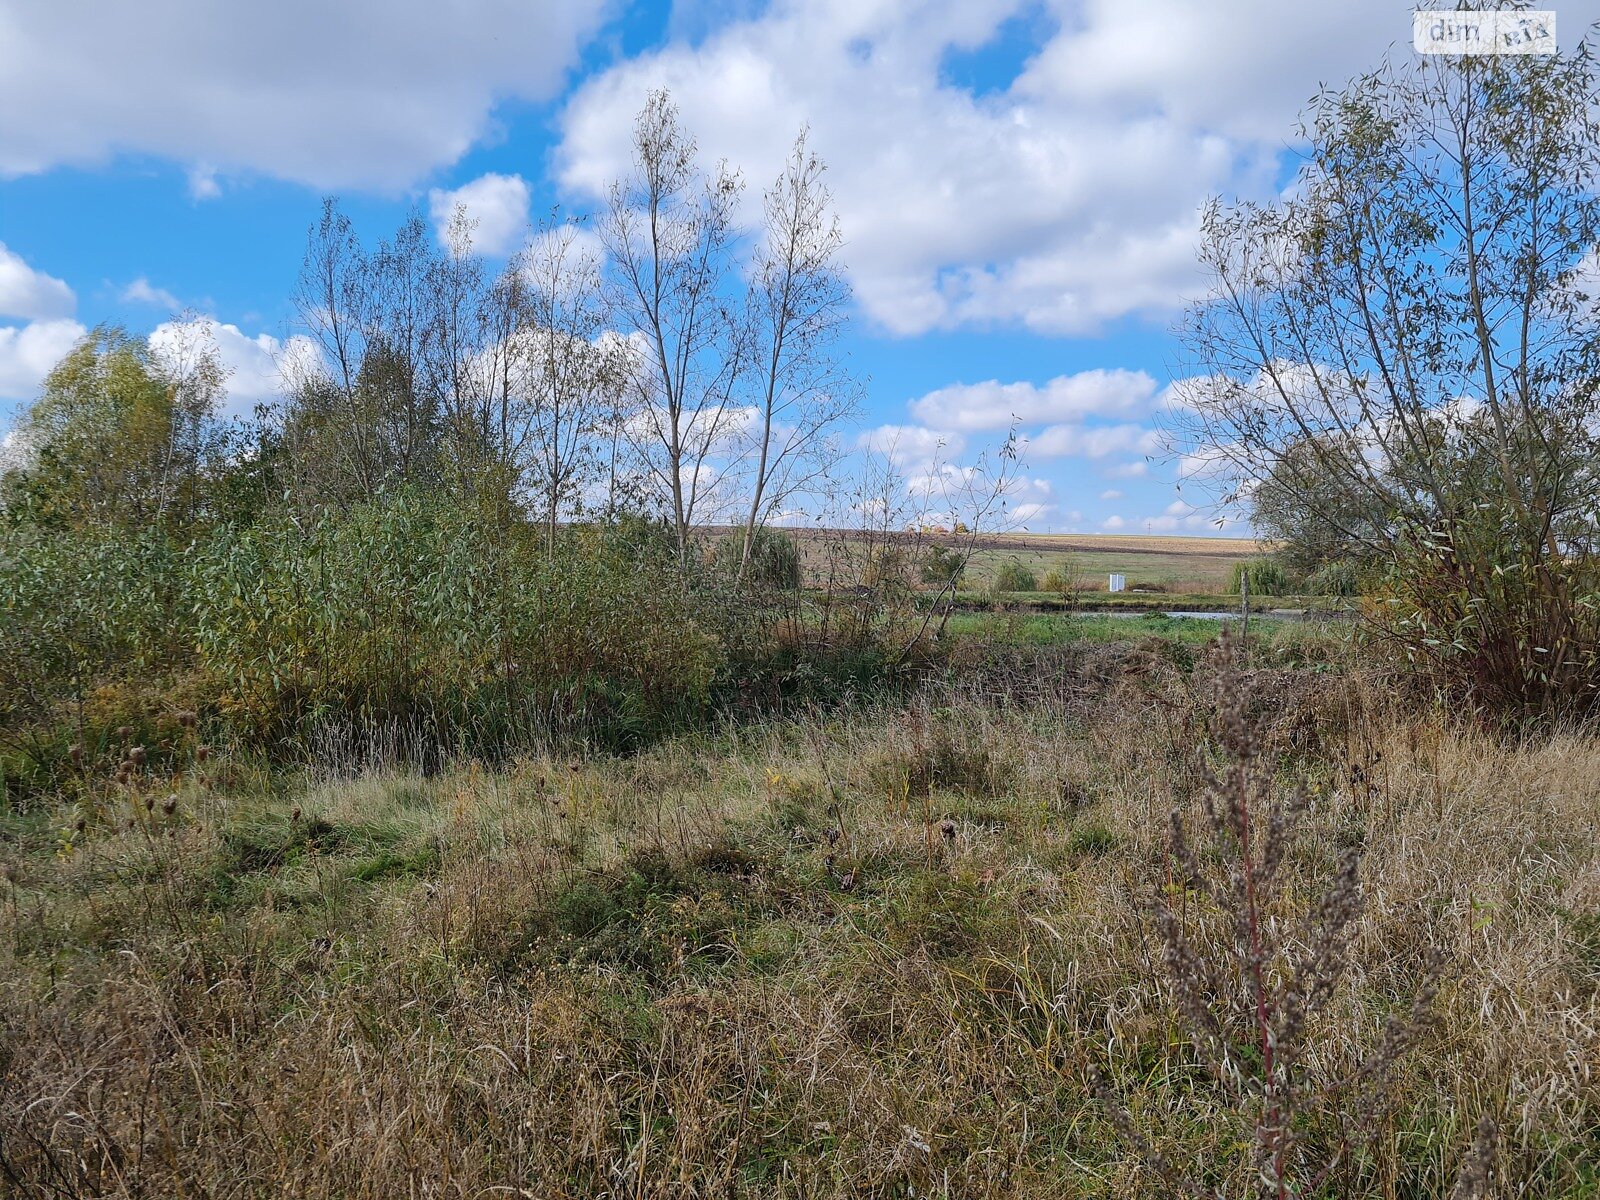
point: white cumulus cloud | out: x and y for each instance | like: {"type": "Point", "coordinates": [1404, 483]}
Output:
{"type": "Point", "coordinates": [912, 447]}
{"type": "Point", "coordinates": [496, 205]}
{"type": "Point", "coordinates": [28, 352]}
{"type": "Point", "coordinates": [142, 291]}
{"type": "Point", "coordinates": [30, 294]}
{"type": "Point", "coordinates": [330, 93]}
{"type": "Point", "coordinates": [1058, 200]}
{"type": "Point", "coordinates": [256, 365]}
{"type": "Point", "coordinates": [994, 405]}
{"type": "Point", "coordinates": [1093, 441]}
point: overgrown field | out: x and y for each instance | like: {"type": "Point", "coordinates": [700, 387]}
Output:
{"type": "Point", "coordinates": [880, 950]}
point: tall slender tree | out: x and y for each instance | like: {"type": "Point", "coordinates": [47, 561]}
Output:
{"type": "Point", "coordinates": [668, 230]}
{"type": "Point", "coordinates": [800, 387]}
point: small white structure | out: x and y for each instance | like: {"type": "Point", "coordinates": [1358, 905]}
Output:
{"type": "Point", "coordinates": [1117, 583]}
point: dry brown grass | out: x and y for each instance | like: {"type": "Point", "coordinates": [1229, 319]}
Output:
{"type": "Point", "coordinates": [643, 978]}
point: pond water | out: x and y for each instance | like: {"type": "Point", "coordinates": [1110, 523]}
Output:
{"type": "Point", "coordinates": [1199, 616]}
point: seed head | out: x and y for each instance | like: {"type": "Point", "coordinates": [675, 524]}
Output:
{"type": "Point", "coordinates": [201, 753]}
{"type": "Point", "coordinates": [75, 752]}
{"type": "Point", "coordinates": [169, 805]}
{"type": "Point", "coordinates": [137, 756]}
{"type": "Point", "coordinates": [947, 829]}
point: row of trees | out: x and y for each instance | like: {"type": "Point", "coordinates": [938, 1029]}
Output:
{"type": "Point", "coordinates": [659, 360]}
{"type": "Point", "coordinates": [643, 364]}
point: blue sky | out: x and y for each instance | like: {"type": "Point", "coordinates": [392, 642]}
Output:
{"type": "Point", "coordinates": [1018, 181]}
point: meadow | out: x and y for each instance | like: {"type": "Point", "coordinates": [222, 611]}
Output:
{"type": "Point", "coordinates": [407, 792]}
{"type": "Point", "coordinates": [908, 945]}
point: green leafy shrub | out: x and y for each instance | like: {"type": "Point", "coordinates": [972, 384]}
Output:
{"type": "Point", "coordinates": [942, 566]}
{"type": "Point", "coordinates": [1340, 578]}
{"type": "Point", "coordinates": [1494, 628]}
{"type": "Point", "coordinates": [86, 617]}
{"type": "Point", "coordinates": [1066, 579]}
{"type": "Point", "coordinates": [407, 614]}
{"type": "Point", "coordinates": [1012, 576]}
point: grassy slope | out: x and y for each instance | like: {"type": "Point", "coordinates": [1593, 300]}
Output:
{"type": "Point", "coordinates": [640, 977]}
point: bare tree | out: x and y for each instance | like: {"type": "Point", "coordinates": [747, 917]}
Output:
{"type": "Point", "coordinates": [894, 518]}
{"type": "Point", "coordinates": [365, 414]}
{"type": "Point", "coordinates": [668, 231]}
{"type": "Point", "coordinates": [569, 370]}
{"type": "Point", "coordinates": [468, 362]}
{"type": "Point", "coordinates": [188, 368]}
{"type": "Point", "coordinates": [793, 315]}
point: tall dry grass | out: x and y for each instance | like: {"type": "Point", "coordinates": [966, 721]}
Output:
{"type": "Point", "coordinates": [873, 952]}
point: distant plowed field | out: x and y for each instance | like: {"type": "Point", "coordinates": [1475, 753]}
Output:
{"type": "Point", "coordinates": [1228, 549]}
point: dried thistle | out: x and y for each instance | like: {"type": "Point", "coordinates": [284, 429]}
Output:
{"type": "Point", "coordinates": [1250, 970]}
{"type": "Point", "coordinates": [1477, 1171]}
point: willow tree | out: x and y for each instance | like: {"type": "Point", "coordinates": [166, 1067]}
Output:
{"type": "Point", "coordinates": [571, 373]}
{"type": "Point", "coordinates": [120, 435]}
{"type": "Point", "coordinates": [1402, 355]}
